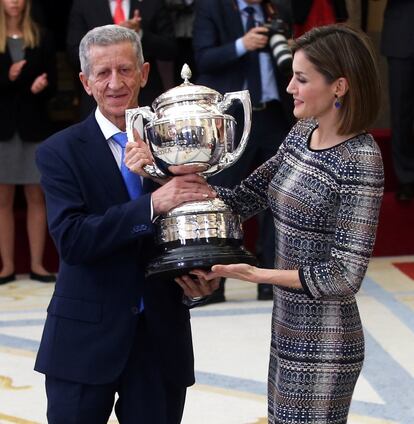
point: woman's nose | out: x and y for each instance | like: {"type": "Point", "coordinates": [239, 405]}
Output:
{"type": "Point", "coordinates": [290, 87]}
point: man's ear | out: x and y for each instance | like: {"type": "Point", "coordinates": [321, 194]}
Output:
{"type": "Point", "coordinates": [85, 83]}
{"type": "Point", "coordinates": [145, 68]}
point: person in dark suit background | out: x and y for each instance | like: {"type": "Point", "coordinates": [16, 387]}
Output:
{"type": "Point", "coordinates": [27, 83]}
{"type": "Point", "coordinates": [150, 18]}
{"type": "Point", "coordinates": [182, 14]}
{"type": "Point", "coordinates": [108, 330]}
{"type": "Point", "coordinates": [397, 44]}
{"type": "Point", "coordinates": [223, 51]}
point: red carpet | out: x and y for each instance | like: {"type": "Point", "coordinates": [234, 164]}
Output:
{"type": "Point", "coordinates": [406, 267]}
{"type": "Point", "coordinates": [395, 235]}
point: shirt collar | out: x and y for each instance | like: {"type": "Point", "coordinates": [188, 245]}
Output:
{"type": "Point", "coordinates": [107, 127]}
{"type": "Point", "coordinates": [242, 4]}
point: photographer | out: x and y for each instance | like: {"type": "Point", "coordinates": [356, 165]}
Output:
{"type": "Point", "coordinates": [231, 40]}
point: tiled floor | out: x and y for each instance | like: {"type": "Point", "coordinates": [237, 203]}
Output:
{"type": "Point", "coordinates": [231, 343]}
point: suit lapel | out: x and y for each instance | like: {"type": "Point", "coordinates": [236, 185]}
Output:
{"type": "Point", "coordinates": [232, 17]}
{"type": "Point", "coordinates": [100, 160]}
{"type": "Point", "coordinates": [101, 11]}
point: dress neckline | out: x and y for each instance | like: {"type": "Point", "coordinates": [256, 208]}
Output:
{"type": "Point", "coordinates": [308, 141]}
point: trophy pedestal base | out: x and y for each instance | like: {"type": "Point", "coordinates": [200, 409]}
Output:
{"type": "Point", "coordinates": [181, 260]}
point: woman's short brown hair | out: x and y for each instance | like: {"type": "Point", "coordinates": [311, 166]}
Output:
{"type": "Point", "coordinates": [341, 51]}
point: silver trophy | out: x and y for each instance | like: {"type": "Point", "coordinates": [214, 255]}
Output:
{"type": "Point", "coordinates": [190, 127]}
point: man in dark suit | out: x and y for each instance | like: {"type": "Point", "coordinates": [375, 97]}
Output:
{"type": "Point", "coordinates": [231, 57]}
{"type": "Point", "coordinates": [151, 20]}
{"type": "Point", "coordinates": [397, 45]}
{"type": "Point", "coordinates": [108, 330]}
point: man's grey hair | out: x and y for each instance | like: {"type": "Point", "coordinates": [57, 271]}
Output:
{"type": "Point", "coordinates": [107, 35]}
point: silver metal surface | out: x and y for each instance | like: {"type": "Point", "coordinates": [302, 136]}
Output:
{"type": "Point", "coordinates": [193, 227]}
{"type": "Point", "coordinates": [205, 219]}
{"type": "Point", "coordinates": [189, 126]}
{"type": "Point", "coordinates": [208, 205]}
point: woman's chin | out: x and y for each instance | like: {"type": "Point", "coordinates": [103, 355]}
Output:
{"type": "Point", "coordinates": [297, 114]}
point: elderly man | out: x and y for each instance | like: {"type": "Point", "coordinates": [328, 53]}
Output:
{"type": "Point", "coordinates": [108, 330]}
{"type": "Point", "coordinates": [150, 19]}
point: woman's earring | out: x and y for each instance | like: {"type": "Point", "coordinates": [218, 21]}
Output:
{"type": "Point", "coordinates": [337, 103]}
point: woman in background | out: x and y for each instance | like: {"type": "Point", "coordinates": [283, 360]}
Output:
{"type": "Point", "coordinates": [27, 82]}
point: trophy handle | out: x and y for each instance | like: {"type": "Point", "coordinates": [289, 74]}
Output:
{"type": "Point", "coordinates": [131, 117]}
{"type": "Point", "coordinates": [244, 96]}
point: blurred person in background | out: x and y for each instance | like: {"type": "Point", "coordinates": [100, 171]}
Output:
{"type": "Point", "coordinates": [182, 13]}
{"type": "Point", "coordinates": [397, 44]}
{"type": "Point", "coordinates": [149, 18]}
{"type": "Point", "coordinates": [232, 53]}
{"type": "Point", "coordinates": [27, 82]}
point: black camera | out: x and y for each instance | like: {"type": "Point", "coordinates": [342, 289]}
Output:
{"type": "Point", "coordinates": [278, 34]}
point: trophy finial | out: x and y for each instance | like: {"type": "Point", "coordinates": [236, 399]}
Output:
{"type": "Point", "coordinates": [186, 73]}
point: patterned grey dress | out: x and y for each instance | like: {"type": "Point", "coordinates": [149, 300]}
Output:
{"type": "Point", "coordinates": [325, 205]}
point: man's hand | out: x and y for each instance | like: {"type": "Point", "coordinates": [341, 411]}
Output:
{"type": "Point", "coordinates": [178, 190]}
{"type": "Point", "coordinates": [138, 155]}
{"type": "Point", "coordinates": [256, 38]}
{"type": "Point", "coordinates": [16, 69]}
{"type": "Point", "coordinates": [196, 286]}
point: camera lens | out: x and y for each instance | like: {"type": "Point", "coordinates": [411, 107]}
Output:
{"type": "Point", "coordinates": [281, 52]}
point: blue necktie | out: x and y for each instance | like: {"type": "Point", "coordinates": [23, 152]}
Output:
{"type": "Point", "coordinates": [132, 180]}
{"type": "Point", "coordinates": [254, 81]}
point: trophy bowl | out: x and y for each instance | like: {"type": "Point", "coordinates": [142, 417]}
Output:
{"type": "Point", "coordinates": [193, 140]}
{"type": "Point", "coordinates": [190, 128]}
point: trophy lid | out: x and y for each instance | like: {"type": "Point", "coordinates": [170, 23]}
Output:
{"type": "Point", "coordinates": [186, 92]}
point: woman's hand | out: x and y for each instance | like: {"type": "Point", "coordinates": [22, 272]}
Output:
{"type": "Point", "coordinates": [39, 84]}
{"type": "Point", "coordinates": [198, 287]}
{"type": "Point", "coordinates": [16, 69]}
{"type": "Point", "coordinates": [243, 272]}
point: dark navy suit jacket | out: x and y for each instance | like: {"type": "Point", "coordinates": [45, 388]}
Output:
{"type": "Point", "coordinates": [216, 28]}
{"type": "Point", "coordinates": [103, 240]}
{"type": "Point", "coordinates": [397, 37]}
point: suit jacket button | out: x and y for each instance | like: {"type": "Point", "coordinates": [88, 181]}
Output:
{"type": "Point", "coordinates": [135, 310]}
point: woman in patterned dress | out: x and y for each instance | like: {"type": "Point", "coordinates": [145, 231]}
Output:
{"type": "Point", "coordinates": [324, 187]}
